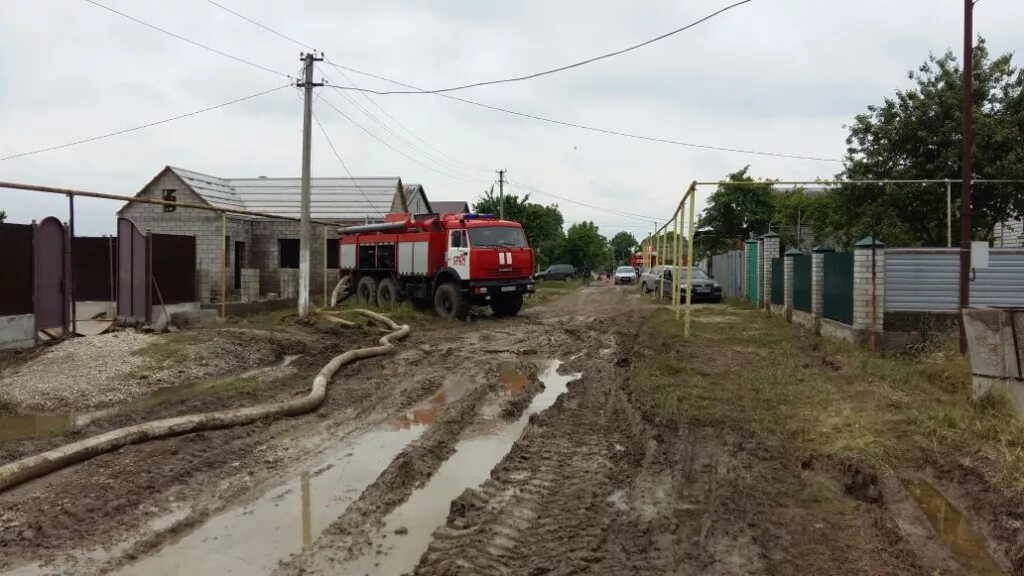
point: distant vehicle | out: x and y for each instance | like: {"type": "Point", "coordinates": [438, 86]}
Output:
{"type": "Point", "coordinates": [625, 275]}
{"type": "Point", "coordinates": [564, 272]}
{"type": "Point", "coordinates": [704, 288]}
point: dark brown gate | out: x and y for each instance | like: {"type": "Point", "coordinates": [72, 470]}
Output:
{"type": "Point", "coordinates": [174, 269]}
{"type": "Point", "coordinates": [133, 273]}
{"type": "Point", "coordinates": [51, 271]}
{"type": "Point", "coordinates": [16, 281]}
{"type": "Point", "coordinates": [93, 262]}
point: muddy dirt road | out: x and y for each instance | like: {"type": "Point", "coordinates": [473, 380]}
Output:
{"type": "Point", "coordinates": [524, 446]}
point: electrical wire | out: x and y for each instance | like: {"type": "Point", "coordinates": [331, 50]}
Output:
{"type": "Point", "coordinates": [417, 90]}
{"type": "Point", "coordinates": [342, 162]}
{"type": "Point", "coordinates": [373, 118]}
{"type": "Point", "coordinates": [581, 126]}
{"type": "Point", "coordinates": [528, 188]}
{"type": "Point", "coordinates": [133, 129]}
{"type": "Point", "coordinates": [192, 42]}
{"type": "Point", "coordinates": [575, 64]}
{"type": "Point", "coordinates": [388, 144]}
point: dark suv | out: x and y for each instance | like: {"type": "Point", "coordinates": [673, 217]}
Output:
{"type": "Point", "coordinates": [563, 272]}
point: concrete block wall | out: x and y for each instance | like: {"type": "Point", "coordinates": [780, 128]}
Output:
{"type": "Point", "coordinates": [289, 282]}
{"type": "Point", "coordinates": [866, 316]}
{"type": "Point", "coordinates": [770, 244]}
{"type": "Point", "coordinates": [17, 331]}
{"type": "Point", "coordinates": [818, 282]}
{"type": "Point", "coordinates": [203, 282]}
{"type": "Point", "coordinates": [204, 225]}
{"type": "Point", "coordinates": [267, 258]}
{"type": "Point", "coordinates": [250, 285]}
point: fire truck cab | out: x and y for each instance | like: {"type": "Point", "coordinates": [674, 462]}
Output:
{"type": "Point", "coordinates": [452, 261]}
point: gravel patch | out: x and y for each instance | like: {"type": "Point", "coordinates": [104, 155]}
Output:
{"type": "Point", "coordinates": [114, 368]}
{"type": "Point", "coordinates": [96, 368]}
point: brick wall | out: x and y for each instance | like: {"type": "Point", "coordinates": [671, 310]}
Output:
{"type": "Point", "coordinates": [204, 225]}
{"type": "Point", "coordinates": [769, 250]}
{"type": "Point", "coordinates": [862, 289]}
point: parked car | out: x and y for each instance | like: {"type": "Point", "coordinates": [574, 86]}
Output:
{"type": "Point", "coordinates": [704, 288]}
{"type": "Point", "coordinates": [564, 272]}
{"type": "Point", "coordinates": [625, 275]}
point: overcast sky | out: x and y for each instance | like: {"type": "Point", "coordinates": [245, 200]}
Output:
{"type": "Point", "coordinates": [773, 75]}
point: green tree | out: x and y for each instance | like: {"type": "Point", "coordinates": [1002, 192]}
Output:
{"type": "Point", "coordinates": [916, 134]}
{"type": "Point", "coordinates": [3, 216]}
{"type": "Point", "coordinates": [622, 245]}
{"type": "Point", "coordinates": [542, 224]}
{"type": "Point", "coordinates": [734, 212]}
{"type": "Point", "coordinates": [584, 244]}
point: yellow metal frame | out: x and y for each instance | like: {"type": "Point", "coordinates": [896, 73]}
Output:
{"type": "Point", "coordinates": [660, 245]}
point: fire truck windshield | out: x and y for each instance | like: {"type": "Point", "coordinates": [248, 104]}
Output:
{"type": "Point", "coordinates": [495, 236]}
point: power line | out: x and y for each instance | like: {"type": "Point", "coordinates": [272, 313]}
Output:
{"type": "Point", "coordinates": [576, 64]}
{"type": "Point", "coordinates": [528, 188]}
{"type": "Point", "coordinates": [133, 129]}
{"type": "Point", "coordinates": [364, 94]}
{"type": "Point", "coordinates": [452, 159]}
{"type": "Point", "coordinates": [190, 41]}
{"type": "Point", "coordinates": [342, 162]}
{"type": "Point", "coordinates": [579, 126]}
{"type": "Point", "coordinates": [448, 166]}
{"type": "Point", "coordinates": [388, 144]}
{"type": "Point", "coordinates": [267, 28]}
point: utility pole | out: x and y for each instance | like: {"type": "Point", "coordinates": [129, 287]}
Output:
{"type": "Point", "coordinates": [304, 230]}
{"type": "Point", "coordinates": [501, 194]}
{"type": "Point", "coordinates": [967, 168]}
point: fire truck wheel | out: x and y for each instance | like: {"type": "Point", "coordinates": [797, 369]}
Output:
{"type": "Point", "coordinates": [387, 293]}
{"type": "Point", "coordinates": [450, 303]}
{"type": "Point", "coordinates": [367, 290]}
{"type": "Point", "coordinates": [507, 305]}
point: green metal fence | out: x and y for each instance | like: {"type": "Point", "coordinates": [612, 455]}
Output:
{"type": "Point", "coordinates": [778, 281]}
{"type": "Point", "coordinates": [753, 274]}
{"type": "Point", "coordinates": [838, 287]}
{"type": "Point", "coordinates": [802, 282]}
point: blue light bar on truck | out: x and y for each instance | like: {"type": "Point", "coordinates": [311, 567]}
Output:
{"type": "Point", "coordinates": [472, 216]}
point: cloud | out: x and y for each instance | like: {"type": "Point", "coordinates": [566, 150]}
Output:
{"type": "Point", "coordinates": [771, 75]}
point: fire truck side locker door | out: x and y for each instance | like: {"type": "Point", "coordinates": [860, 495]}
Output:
{"type": "Point", "coordinates": [457, 257]}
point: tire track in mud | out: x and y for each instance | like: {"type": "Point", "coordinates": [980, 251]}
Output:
{"type": "Point", "coordinates": [550, 503]}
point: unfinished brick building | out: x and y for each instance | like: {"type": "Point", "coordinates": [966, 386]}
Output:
{"type": "Point", "coordinates": [269, 246]}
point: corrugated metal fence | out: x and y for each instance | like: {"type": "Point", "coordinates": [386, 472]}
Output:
{"type": "Point", "coordinates": [926, 279]}
{"type": "Point", "coordinates": [727, 269]}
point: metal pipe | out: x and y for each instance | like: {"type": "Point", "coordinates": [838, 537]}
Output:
{"type": "Point", "coordinates": [104, 196]}
{"type": "Point", "coordinates": [325, 266]}
{"type": "Point", "coordinates": [224, 265]}
{"type": "Point", "coordinates": [841, 182]}
{"type": "Point", "coordinates": [69, 273]}
{"type": "Point", "coordinates": [967, 171]}
{"type": "Point", "coordinates": [676, 270]}
{"type": "Point", "coordinates": [692, 193]}
{"type": "Point", "coordinates": [367, 228]}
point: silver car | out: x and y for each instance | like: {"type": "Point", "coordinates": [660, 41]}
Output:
{"type": "Point", "coordinates": [704, 288]}
{"type": "Point", "coordinates": [625, 275]}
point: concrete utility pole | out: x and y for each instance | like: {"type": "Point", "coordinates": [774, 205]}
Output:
{"type": "Point", "coordinates": [967, 168]}
{"type": "Point", "coordinates": [304, 227]}
{"type": "Point", "coordinates": [501, 194]}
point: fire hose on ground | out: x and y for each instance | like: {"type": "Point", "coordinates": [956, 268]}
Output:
{"type": "Point", "coordinates": [42, 464]}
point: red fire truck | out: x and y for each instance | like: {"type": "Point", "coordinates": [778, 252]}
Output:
{"type": "Point", "coordinates": [450, 260]}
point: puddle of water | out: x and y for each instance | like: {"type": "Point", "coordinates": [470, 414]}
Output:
{"type": "Point", "coordinates": [512, 382]}
{"type": "Point", "coordinates": [17, 426]}
{"type": "Point", "coordinates": [252, 538]}
{"type": "Point", "coordinates": [409, 528]}
{"type": "Point", "coordinates": [967, 546]}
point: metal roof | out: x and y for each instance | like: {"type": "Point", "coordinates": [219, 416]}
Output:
{"type": "Point", "coordinates": [449, 206]}
{"type": "Point", "coordinates": [349, 199]}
